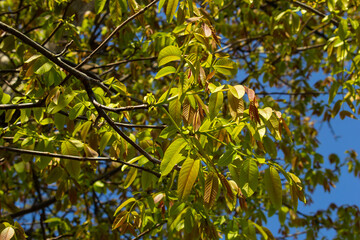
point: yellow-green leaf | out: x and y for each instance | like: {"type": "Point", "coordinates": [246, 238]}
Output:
{"type": "Point", "coordinates": [172, 156]}
{"type": "Point", "coordinates": [99, 5]}
{"type": "Point", "coordinates": [165, 71]}
{"type": "Point", "coordinates": [67, 148]}
{"type": "Point", "coordinates": [130, 178]}
{"type": "Point", "coordinates": [104, 140]}
{"type": "Point", "coordinates": [73, 167]}
{"type": "Point", "coordinates": [238, 91]}
{"type": "Point", "coordinates": [215, 103]}
{"type": "Point", "coordinates": [273, 186]}
{"type": "Point", "coordinates": [175, 111]}
{"type": "Point", "coordinates": [169, 54]}
{"type": "Point", "coordinates": [130, 200]}
{"type": "Point", "coordinates": [170, 9]}
{"type": "Point", "coordinates": [187, 177]}
{"type": "Point", "coordinates": [249, 174]}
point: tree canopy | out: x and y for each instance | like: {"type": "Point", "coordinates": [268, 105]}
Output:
{"type": "Point", "coordinates": [173, 119]}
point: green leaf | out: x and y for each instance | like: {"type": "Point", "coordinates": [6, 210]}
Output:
{"type": "Point", "coordinates": [343, 29]}
{"type": "Point", "coordinates": [170, 9]}
{"type": "Point", "coordinates": [333, 91]}
{"type": "Point", "coordinates": [104, 141]}
{"type": "Point", "coordinates": [130, 178]}
{"type": "Point", "coordinates": [175, 111]}
{"type": "Point", "coordinates": [215, 103]}
{"type": "Point", "coordinates": [44, 68]}
{"type": "Point", "coordinates": [249, 174]}
{"type": "Point", "coordinates": [270, 147]}
{"type": "Point", "coordinates": [168, 132]}
{"type": "Point", "coordinates": [211, 189]}
{"type": "Point", "coordinates": [73, 167]}
{"type": "Point", "coordinates": [54, 175]}
{"type": "Point", "coordinates": [172, 156]}
{"type": "Point", "coordinates": [225, 66]}
{"type": "Point", "coordinates": [67, 148]}
{"type": "Point", "coordinates": [99, 5]}
{"type": "Point", "coordinates": [169, 54]}
{"type": "Point", "coordinates": [187, 177]}
{"type": "Point", "coordinates": [273, 186]}
{"type": "Point", "coordinates": [165, 71]}
{"type": "Point", "coordinates": [130, 200]}
{"type": "Point", "coordinates": [226, 158]}
{"type": "Point", "coordinates": [161, 4]}
{"type": "Point", "coordinates": [76, 111]}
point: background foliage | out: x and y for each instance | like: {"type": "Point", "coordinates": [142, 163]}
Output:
{"type": "Point", "coordinates": [174, 119]}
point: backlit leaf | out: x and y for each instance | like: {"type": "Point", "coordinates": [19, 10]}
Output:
{"type": "Point", "coordinates": [211, 189]}
{"type": "Point", "coordinates": [187, 177]}
{"type": "Point", "coordinates": [249, 174]}
{"type": "Point", "coordinates": [130, 178]}
{"type": "Point", "coordinates": [172, 156]}
{"type": "Point", "coordinates": [169, 54]}
{"type": "Point", "coordinates": [165, 71]}
{"type": "Point", "coordinates": [273, 186]}
{"type": "Point", "coordinates": [237, 91]}
{"type": "Point", "coordinates": [7, 233]}
{"type": "Point", "coordinates": [170, 9]}
{"type": "Point", "coordinates": [175, 111]}
{"type": "Point", "coordinates": [215, 103]}
{"type": "Point", "coordinates": [124, 204]}
{"type": "Point", "coordinates": [99, 5]}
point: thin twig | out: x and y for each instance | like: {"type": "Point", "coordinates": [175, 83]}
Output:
{"type": "Point", "coordinates": [65, 49]}
{"type": "Point", "coordinates": [76, 158]}
{"type": "Point", "coordinates": [122, 109]}
{"type": "Point", "coordinates": [315, 11]}
{"type": "Point", "coordinates": [115, 31]}
{"type": "Point", "coordinates": [52, 33]}
{"type": "Point", "coordinates": [149, 230]}
{"type": "Point", "coordinates": [124, 62]}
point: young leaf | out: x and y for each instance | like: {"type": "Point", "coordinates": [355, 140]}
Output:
{"type": "Point", "coordinates": [187, 177]}
{"type": "Point", "coordinates": [104, 140]}
{"type": "Point", "coordinates": [165, 71]}
{"type": "Point", "coordinates": [67, 148]}
{"type": "Point", "coordinates": [211, 189]}
{"type": "Point", "coordinates": [99, 5]}
{"type": "Point", "coordinates": [128, 201]}
{"type": "Point", "coordinates": [169, 54]}
{"type": "Point", "coordinates": [273, 186]}
{"type": "Point", "coordinates": [249, 174]}
{"type": "Point", "coordinates": [170, 9]}
{"type": "Point", "coordinates": [130, 178]}
{"type": "Point", "coordinates": [175, 111]}
{"type": "Point", "coordinates": [227, 157]}
{"type": "Point", "coordinates": [172, 156]}
{"type": "Point", "coordinates": [215, 103]}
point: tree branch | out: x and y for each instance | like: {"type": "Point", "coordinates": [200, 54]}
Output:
{"type": "Point", "coordinates": [76, 158]}
{"type": "Point", "coordinates": [39, 103]}
{"type": "Point", "coordinates": [121, 109]}
{"type": "Point", "coordinates": [315, 11]}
